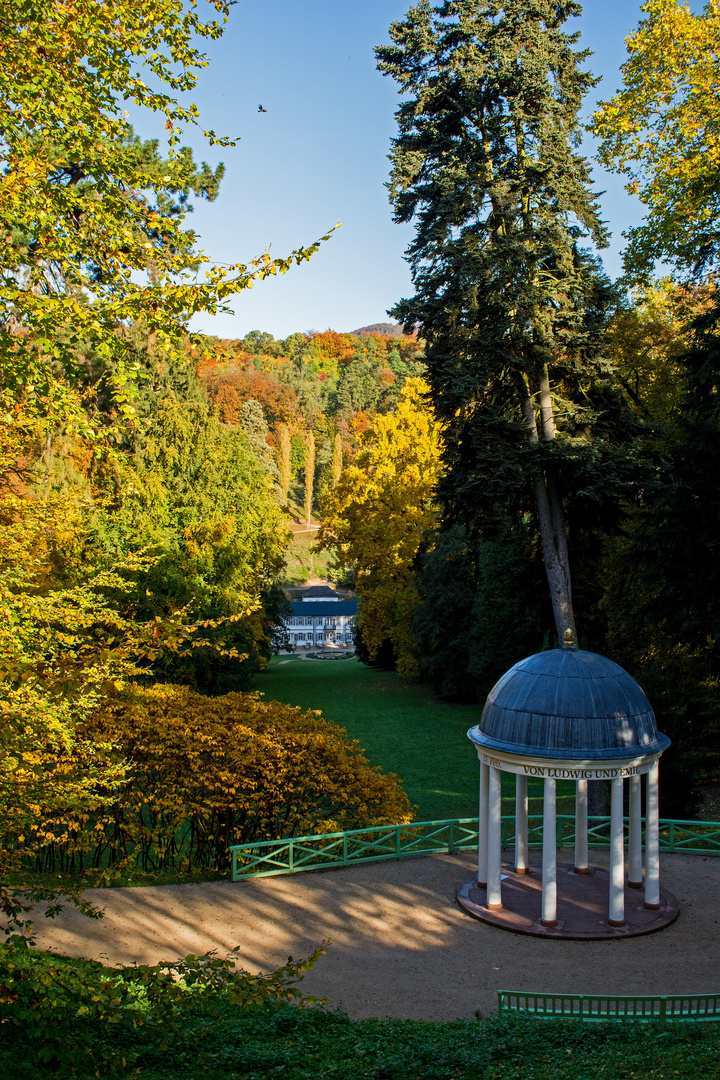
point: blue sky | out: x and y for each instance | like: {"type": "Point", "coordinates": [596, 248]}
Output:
{"type": "Point", "coordinates": [319, 155]}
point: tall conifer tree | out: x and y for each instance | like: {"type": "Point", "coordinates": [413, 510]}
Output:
{"type": "Point", "coordinates": [513, 312]}
{"type": "Point", "coordinates": [284, 461]}
{"type": "Point", "coordinates": [309, 475]}
{"type": "Point", "coordinates": [336, 462]}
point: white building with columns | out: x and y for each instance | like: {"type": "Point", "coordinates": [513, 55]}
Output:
{"type": "Point", "coordinates": [567, 714]}
{"type": "Point", "coordinates": [321, 618]}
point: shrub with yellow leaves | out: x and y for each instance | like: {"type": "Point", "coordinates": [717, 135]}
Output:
{"type": "Point", "coordinates": [206, 773]}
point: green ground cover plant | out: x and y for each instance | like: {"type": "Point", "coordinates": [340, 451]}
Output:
{"type": "Point", "coordinates": [211, 1029]}
{"type": "Point", "coordinates": [66, 1017]}
{"type": "Point", "coordinates": [403, 728]}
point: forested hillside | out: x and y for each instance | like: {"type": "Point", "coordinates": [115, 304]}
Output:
{"type": "Point", "coordinates": [326, 383]}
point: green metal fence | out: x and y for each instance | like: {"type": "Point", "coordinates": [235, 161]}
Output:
{"type": "Point", "coordinates": [611, 1006]}
{"type": "Point", "coordinates": [327, 850]}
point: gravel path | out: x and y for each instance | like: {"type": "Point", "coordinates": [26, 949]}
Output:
{"type": "Point", "coordinates": [400, 945]}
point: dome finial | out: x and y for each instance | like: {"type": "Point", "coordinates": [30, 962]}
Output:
{"type": "Point", "coordinates": [569, 639]}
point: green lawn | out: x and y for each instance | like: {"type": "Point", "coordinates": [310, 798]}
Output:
{"type": "Point", "coordinates": [402, 727]}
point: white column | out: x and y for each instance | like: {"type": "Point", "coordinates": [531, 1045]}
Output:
{"type": "Point", "coordinates": [494, 847]}
{"type": "Point", "coordinates": [483, 825]}
{"type": "Point", "coordinates": [521, 824]}
{"type": "Point", "coordinates": [634, 834]}
{"type": "Point", "coordinates": [549, 869]}
{"type": "Point", "coordinates": [616, 913]}
{"type": "Point", "coordinates": [581, 827]}
{"type": "Point", "coordinates": [652, 840]}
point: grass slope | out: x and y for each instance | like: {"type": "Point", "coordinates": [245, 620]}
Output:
{"type": "Point", "coordinates": [403, 728]}
{"type": "Point", "coordinates": [302, 562]}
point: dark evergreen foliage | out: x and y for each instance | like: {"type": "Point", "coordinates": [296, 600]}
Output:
{"type": "Point", "coordinates": [663, 602]}
{"type": "Point", "coordinates": [513, 311]}
{"type": "Point", "coordinates": [385, 659]}
{"type": "Point", "coordinates": [484, 606]}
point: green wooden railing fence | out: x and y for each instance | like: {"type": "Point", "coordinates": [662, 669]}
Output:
{"type": "Point", "coordinates": [293, 854]}
{"type": "Point", "coordinates": [661, 1007]}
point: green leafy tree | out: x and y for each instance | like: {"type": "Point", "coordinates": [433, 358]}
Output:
{"type": "Point", "coordinates": [402, 369]}
{"type": "Point", "coordinates": [305, 377]}
{"type": "Point", "coordinates": [253, 423]}
{"type": "Point", "coordinates": [199, 496]}
{"type": "Point", "coordinates": [512, 311]}
{"type": "Point", "coordinates": [259, 341]}
{"type": "Point", "coordinates": [359, 388]}
{"type": "Point", "coordinates": [298, 451]}
{"type": "Point", "coordinates": [199, 493]}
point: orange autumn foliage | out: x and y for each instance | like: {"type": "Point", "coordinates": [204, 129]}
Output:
{"type": "Point", "coordinates": [230, 389]}
{"type": "Point", "coordinates": [333, 346]}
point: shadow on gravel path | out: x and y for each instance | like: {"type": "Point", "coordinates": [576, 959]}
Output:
{"type": "Point", "coordinates": [400, 945]}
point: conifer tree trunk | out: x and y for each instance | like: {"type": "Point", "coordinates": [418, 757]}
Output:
{"type": "Point", "coordinates": [551, 518]}
{"type": "Point", "coordinates": [309, 475]}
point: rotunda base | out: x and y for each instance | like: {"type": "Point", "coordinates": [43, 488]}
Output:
{"type": "Point", "coordinates": [582, 906]}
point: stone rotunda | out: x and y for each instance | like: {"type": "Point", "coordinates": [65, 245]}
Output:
{"type": "Point", "coordinates": [567, 714]}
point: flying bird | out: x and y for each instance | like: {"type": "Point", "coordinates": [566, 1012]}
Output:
{"type": "Point", "coordinates": [260, 109]}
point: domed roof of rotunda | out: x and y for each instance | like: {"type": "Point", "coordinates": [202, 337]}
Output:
{"type": "Point", "coordinates": [568, 703]}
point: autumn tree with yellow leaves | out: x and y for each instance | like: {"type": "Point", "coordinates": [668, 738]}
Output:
{"type": "Point", "coordinates": [91, 221]}
{"type": "Point", "coordinates": [210, 772]}
{"type": "Point", "coordinates": [648, 336]}
{"type": "Point", "coordinates": [94, 248]}
{"type": "Point", "coordinates": [662, 131]}
{"type": "Point", "coordinates": [378, 514]}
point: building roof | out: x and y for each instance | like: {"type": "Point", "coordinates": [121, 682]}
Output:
{"type": "Point", "coordinates": [324, 607]}
{"type": "Point", "coordinates": [568, 703]}
{"type": "Point", "coordinates": [320, 592]}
